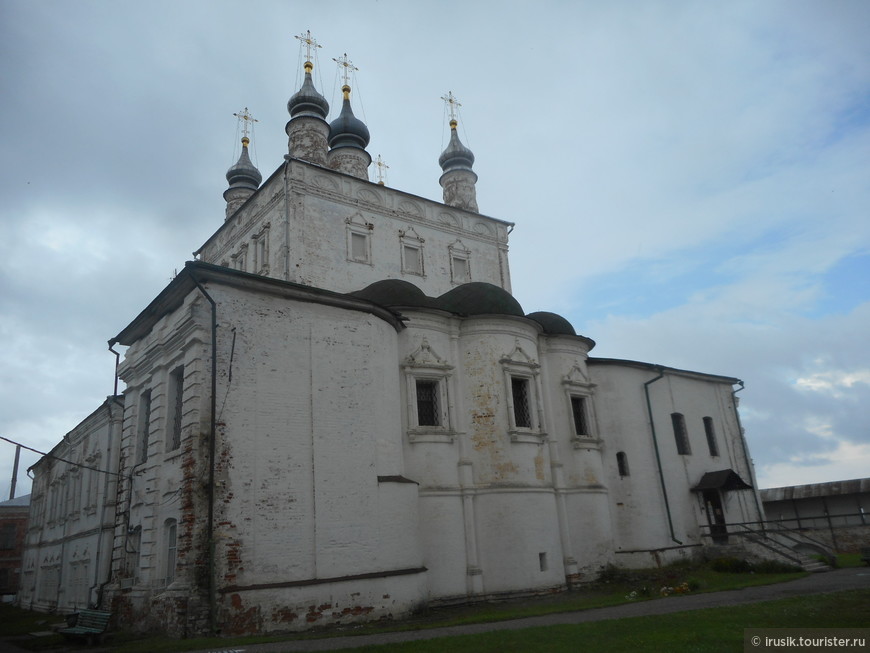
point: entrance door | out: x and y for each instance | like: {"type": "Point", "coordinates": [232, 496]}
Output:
{"type": "Point", "coordinates": [715, 516]}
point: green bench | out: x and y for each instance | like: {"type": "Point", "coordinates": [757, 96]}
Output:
{"type": "Point", "coordinates": [87, 624]}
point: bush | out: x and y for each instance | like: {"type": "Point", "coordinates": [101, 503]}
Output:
{"type": "Point", "coordinates": [774, 567]}
{"type": "Point", "coordinates": [740, 566]}
{"type": "Point", "coordinates": [730, 565]}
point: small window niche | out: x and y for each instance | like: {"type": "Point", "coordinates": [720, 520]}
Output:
{"type": "Point", "coordinates": [411, 246]}
{"type": "Point", "coordinates": [460, 263]}
{"type": "Point", "coordinates": [581, 410]}
{"type": "Point", "coordinates": [523, 393]}
{"type": "Point", "coordinates": [359, 239]}
{"type": "Point", "coordinates": [427, 380]}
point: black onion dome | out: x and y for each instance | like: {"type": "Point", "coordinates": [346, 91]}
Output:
{"type": "Point", "coordinates": [244, 174]}
{"type": "Point", "coordinates": [456, 156]}
{"type": "Point", "coordinates": [552, 323]}
{"type": "Point", "coordinates": [394, 292]}
{"type": "Point", "coordinates": [347, 130]}
{"type": "Point", "coordinates": [479, 298]}
{"type": "Point", "coordinates": [307, 101]}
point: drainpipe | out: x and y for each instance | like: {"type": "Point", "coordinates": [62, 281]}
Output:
{"type": "Point", "coordinates": [286, 219]}
{"type": "Point", "coordinates": [109, 462]}
{"type": "Point", "coordinates": [749, 466]}
{"type": "Point", "coordinates": [212, 599]}
{"type": "Point", "coordinates": [652, 426]}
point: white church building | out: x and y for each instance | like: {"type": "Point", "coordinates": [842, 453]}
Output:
{"type": "Point", "coordinates": [338, 412]}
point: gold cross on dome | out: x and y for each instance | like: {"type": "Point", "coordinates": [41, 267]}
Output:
{"type": "Point", "coordinates": [347, 64]}
{"type": "Point", "coordinates": [382, 168]}
{"type": "Point", "coordinates": [452, 104]}
{"type": "Point", "coordinates": [247, 121]}
{"type": "Point", "coordinates": [309, 42]}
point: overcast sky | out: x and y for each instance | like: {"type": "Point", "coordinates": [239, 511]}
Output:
{"type": "Point", "coordinates": [690, 181]}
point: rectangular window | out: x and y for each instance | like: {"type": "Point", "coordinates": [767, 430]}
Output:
{"type": "Point", "coordinates": [413, 260]}
{"type": "Point", "coordinates": [681, 436]}
{"type": "Point", "coordinates": [710, 432]}
{"type": "Point", "coordinates": [460, 270]}
{"type": "Point", "coordinates": [7, 536]}
{"type": "Point", "coordinates": [359, 247]}
{"type": "Point", "coordinates": [428, 410]}
{"type": "Point", "coordinates": [260, 252]}
{"type": "Point", "coordinates": [144, 426]}
{"type": "Point", "coordinates": [176, 395]}
{"type": "Point", "coordinates": [578, 408]}
{"type": "Point", "coordinates": [522, 409]}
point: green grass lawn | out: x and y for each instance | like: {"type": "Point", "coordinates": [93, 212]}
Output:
{"type": "Point", "coordinates": [614, 587]}
{"type": "Point", "coordinates": [705, 631]}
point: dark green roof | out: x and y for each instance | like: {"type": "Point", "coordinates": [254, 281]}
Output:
{"type": "Point", "coordinates": [552, 323]}
{"type": "Point", "coordinates": [479, 298]}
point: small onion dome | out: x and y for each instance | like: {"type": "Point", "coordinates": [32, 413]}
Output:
{"type": "Point", "coordinates": [395, 292]}
{"type": "Point", "coordinates": [553, 324]}
{"type": "Point", "coordinates": [307, 101]}
{"type": "Point", "coordinates": [456, 156]}
{"type": "Point", "coordinates": [347, 130]}
{"type": "Point", "coordinates": [480, 298]}
{"type": "Point", "coordinates": [244, 174]}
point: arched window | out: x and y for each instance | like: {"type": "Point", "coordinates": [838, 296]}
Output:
{"type": "Point", "coordinates": [622, 463]}
{"type": "Point", "coordinates": [712, 445]}
{"type": "Point", "coordinates": [171, 539]}
{"type": "Point", "coordinates": [681, 436]}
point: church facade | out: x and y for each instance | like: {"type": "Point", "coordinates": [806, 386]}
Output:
{"type": "Point", "coordinates": [339, 412]}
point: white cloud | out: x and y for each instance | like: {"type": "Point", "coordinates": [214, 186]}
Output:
{"type": "Point", "coordinates": [683, 177]}
{"type": "Point", "coordinates": [833, 382]}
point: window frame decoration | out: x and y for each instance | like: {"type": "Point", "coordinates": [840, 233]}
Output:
{"type": "Point", "coordinates": [518, 365]}
{"type": "Point", "coordinates": [457, 251]}
{"type": "Point", "coordinates": [425, 365]}
{"type": "Point", "coordinates": [577, 385]}
{"type": "Point", "coordinates": [409, 239]}
{"type": "Point", "coordinates": [356, 225]}
{"type": "Point", "coordinates": [260, 247]}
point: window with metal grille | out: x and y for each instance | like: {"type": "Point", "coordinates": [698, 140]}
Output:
{"type": "Point", "coordinates": [428, 410]}
{"type": "Point", "coordinates": [710, 432]}
{"type": "Point", "coordinates": [578, 408]}
{"type": "Point", "coordinates": [522, 410]}
{"type": "Point", "coordinates": [681, 436]}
